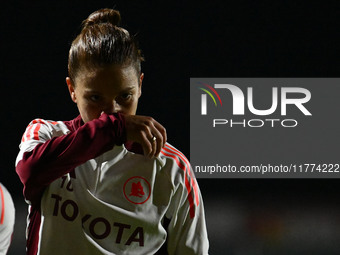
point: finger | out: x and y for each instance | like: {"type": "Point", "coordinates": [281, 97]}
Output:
{"type": "Point", "coordinates": [154, 142]}
{"type": "Point", "coordinates": [151, 142]}
{"type": "Point", "coordinates": [142, 129]}
{"type": "Point", "coordinates": [146, 144]}
{"type": "Point", "coordinates": [154, 138]}
{"type": "Point", "coordinates": [157, 142]}
{"type": "Point", "coordinates": [157, 139]}
{"type": "Point", "coordinates": [161, 134]}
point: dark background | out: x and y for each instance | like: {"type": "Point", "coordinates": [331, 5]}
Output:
{"type": "Point", "coordinates": [181, 40]}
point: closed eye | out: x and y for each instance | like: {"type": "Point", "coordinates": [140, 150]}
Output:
{"type": "Point", "coordinates": [126, 96]}
{"type": "Point", "coordinates": [95, 98]}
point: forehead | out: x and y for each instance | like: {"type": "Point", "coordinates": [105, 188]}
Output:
{"type": "Point", "coordinates": [110, 77]}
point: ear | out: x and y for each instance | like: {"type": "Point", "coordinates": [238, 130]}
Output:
{"type": "Point", "coordinates": [141, 77]}
{"type": "Point", "coordinates": [70, 87]}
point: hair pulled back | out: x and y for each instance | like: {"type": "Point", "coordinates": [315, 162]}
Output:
{"type": "Point", "coordinates": [102, 42]}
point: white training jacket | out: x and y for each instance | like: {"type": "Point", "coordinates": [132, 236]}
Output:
{"type": "Point", "coordinates": [89, 194]}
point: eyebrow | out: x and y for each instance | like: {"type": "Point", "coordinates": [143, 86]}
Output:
{"type": "Point", "coordinates": [129, 88]}
{"type": "Point", "coordinates": [90, 90]}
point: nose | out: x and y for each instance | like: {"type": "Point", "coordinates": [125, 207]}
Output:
{"type": "Point", "coordinates": [112, 107]}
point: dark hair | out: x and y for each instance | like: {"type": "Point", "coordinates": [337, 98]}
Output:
{"type": "Point", "coordinates": [101, 43]}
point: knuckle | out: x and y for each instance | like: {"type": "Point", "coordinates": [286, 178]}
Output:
{"type": "Point", "coordinates": [144, 129]}
{"type": "Point", "coordinates": [148, 121]}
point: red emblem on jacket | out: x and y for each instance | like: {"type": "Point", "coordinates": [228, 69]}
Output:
{"type": "Point", "coordinates": [137, 190]}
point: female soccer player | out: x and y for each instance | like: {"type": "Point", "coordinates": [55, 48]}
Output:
{"type": "Point", "coordinates": [89, 189]}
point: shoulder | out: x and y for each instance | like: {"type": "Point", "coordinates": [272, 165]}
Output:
{"type": "Point", "coordinates": [179, 170]}
{"type": "Point", "coordinates": [170, 153]}
{"type": "Point", "coordinates": [177, 165]}
{"type": "Point", "coordinates": [40, 129]}
{"type": "Point", "coordinates": [7, 214]}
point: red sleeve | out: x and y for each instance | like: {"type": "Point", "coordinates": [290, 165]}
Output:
{"type": "Point", "coordinates": [54, 158]}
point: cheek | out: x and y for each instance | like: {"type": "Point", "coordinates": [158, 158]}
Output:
{"type": "Point", "coordinates": [133, 107]}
